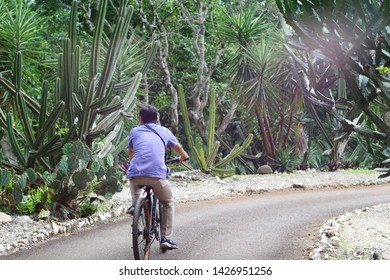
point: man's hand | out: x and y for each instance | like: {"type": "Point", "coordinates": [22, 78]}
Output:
{"type": "Point", "coordinates": [183, 154]}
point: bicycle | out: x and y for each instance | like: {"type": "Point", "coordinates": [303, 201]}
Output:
{"type": "Point", "coordinates": [146, 221]}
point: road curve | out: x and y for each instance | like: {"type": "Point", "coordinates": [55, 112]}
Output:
{"type": "Point", "coordinates": [271, 226]}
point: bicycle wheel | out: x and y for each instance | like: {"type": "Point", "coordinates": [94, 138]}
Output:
{"type": "Point", "coordinates": [141, 229]}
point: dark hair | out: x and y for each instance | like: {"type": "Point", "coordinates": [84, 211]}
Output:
{"type": "Point", "coordinates": [148, 113]}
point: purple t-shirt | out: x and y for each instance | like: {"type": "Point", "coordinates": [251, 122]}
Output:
{"type": "Point", "coordinates": [149, 151]}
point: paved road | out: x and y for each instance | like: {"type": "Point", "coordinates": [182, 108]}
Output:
{"type": "Point", "coordinates": [271, 226]}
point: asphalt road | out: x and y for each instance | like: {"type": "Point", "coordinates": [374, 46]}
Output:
{"type": "Point", "coordinates": [270, 226]}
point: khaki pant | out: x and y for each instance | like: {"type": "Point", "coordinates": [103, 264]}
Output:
{"type": "Point", "coordinates": [162, 190]}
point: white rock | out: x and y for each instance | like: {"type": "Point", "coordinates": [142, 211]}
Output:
{"type": "Point", "coordinates": [2, 249]}
{"type": "Point", "coordinates": [55, 228]}
{"type": "Point", "coordinates": [24, 219]}
{"type": "Point", "coordinates": [23, 242]}
{"type": "Point", "coordinates": [5, 218]}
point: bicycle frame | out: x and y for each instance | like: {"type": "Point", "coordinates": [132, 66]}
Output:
{"type": "Point", "coordinates": [152, 202]}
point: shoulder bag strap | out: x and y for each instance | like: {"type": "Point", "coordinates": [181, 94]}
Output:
{"type": "Point", "coordinates": [154, 131]}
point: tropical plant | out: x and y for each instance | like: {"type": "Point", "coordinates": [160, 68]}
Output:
{"type": "Point", "coordinates": [287, 160]}
{"type": "Point", "coordinates": [206, 160]}
{"type": "Point", "coordinates": [78, 175]}
{"type": "Point", "coordinates": [35, 200]}
{"type": "Point", "coordinates": [90, 109]}
{"type": "Point", "coordinates": [345, 42]}
{"type": "Point", "coordinates": [12, 187]}
{"type": "Point", "coordinates": [21, 31]}
{"type": "Point", "coordinates": [261, 77]}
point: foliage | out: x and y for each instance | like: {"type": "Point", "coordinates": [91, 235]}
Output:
{"type": "Point", "coordinates": [262, 79]}
{"type": "Point", "coordinates": [12, 187]}
{"type": "Point", "coordinates": [287, 160]}
{"type": "Point", "coordinates": [36, 199]}
{"type": "Point", "coordinates": [21, 31]}
{"type": "Point", "coordinates": [79, 174]}
{"type": "Point", "coordinates": [83, 110]}
{"type": "Point", "coordinates": [206, 161]}
{"type": "Point", "coordinates": [335, 43]}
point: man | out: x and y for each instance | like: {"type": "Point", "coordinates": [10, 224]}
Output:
{"type": "Point", "coordinates": [147, 143]}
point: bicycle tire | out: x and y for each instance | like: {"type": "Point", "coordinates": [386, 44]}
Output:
{"type": "Point", "coordinates": [141, 226]}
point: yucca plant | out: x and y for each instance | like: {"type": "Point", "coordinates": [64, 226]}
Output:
{"type": "Point", "coordinates": [262, 81]}
{"type": "Point", "coordinates": [21, 31]}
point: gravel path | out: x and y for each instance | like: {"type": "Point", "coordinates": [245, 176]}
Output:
{"type": "Point", "coordinates": [362, 234]}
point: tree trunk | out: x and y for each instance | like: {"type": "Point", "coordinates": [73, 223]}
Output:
{"type": "Point", "coordinates": [162, 54]}
{"type": "Point", "coordinates": [200, 92]}
{"type": "Point", "coordinates": [158, 29]}
{"type": "Point", "coordinates": [267, 143]}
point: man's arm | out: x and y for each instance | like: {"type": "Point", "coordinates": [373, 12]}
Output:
{"type": "Point", "coordinates": [182, 153]}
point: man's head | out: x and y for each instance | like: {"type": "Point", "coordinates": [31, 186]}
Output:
{"type": "Point", "coordinates": [148, 114]}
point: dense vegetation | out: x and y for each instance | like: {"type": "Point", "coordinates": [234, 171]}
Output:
{"type": "Point", "coordinates": [241, 83]}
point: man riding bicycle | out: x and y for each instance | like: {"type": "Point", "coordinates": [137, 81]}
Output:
{"type": "Point", "coordinates": [147, 144]}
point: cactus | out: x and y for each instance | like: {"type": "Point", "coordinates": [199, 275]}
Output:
{"type": "Point", "coordinates": [235, 152]}
{"type": "Point", "coordinates": [207, 164]}
{"type": "Point", "coordinates": [87, 110]}
{"type": "Point", "coordinates": [5, 178]}
{"type": "Point", "coordinates": [80, 173]}
{"type": "Point", "coordinates": [12, 187]}
{"type": "Point", "coordinates": [97, 107]}
{"type": "Point", "coordinates": [33, 141]}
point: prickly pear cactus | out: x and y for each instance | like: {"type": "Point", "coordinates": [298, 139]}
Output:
{"type": "Point", "coordinates": [79, 174]}
{"type": "Point", "coordinates": [12, 187]}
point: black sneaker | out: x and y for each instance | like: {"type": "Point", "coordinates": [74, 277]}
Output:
{"type": "Point", "coordinates": [130, 210]}
{"type": "Point", "coordinates": [167, 244]}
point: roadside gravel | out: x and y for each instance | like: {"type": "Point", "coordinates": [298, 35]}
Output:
{"type": "Point", "coordinates": [362, 234]}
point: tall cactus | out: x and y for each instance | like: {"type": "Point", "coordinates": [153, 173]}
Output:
{"type": "Point", "coordinates": [207, 164]}
{"type": "Point", "coordinates": [96, 106]}
{"type": "Point", "coordinates": [36, 147]}
{"type": "Point", "coordinates": [87, 109]}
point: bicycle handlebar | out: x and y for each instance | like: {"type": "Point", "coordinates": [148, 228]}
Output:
{"type": "Point", "coordinates": [174, 160]}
